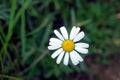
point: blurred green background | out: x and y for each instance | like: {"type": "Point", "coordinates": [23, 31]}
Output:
{"type": "Point", "coordinates": [27, 25]}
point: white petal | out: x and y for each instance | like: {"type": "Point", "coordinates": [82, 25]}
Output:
{"type": "Point", "coordinates": [54, 47]}
{"type": "Point", "coordinates": [78, 56]}
{"type": "Point", "coordinates": [73, 58]}
{"type": "Point", "coordinates": [60, 57]}
{"type": "Point", "coordinates": [81, 50]}
{"type": "Point", "coordinates": [64, 32]}
{"type": "Point", "coordinates": [66, 59]}
{"type": "Point", "coordinates": [79, 36]}
{"type": "Point", "coordinates": [76, 32]}
{"type": "Point", "coordinates": [55, 40]}
{"type": "Point", "coordinates": [58, 35]}
{"type": "Point", "coordinates": [83, 45]}
{"type": "Point", "coordinates": [56, 53]}
{"type": "Point", "coordinates": [72, 33]}
{"type": "Point", "coordinates": [54, 44]}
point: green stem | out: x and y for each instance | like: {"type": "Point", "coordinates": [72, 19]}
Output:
{"type": "Point", "coordinates": [23, 32]}
{"type": "Point", "coordinates": [9, 77]}
{"type": "Point", "coordinates": [10, 27]}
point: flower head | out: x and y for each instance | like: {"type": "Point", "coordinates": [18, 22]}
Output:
{"type": "Point", "coordinates": [68, 46]}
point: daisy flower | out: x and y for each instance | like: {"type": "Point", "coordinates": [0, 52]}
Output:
{"type": "Point", "coordinates": [67, 46]}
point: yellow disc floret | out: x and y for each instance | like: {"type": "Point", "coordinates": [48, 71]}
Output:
{"type": "Point", "coordinates": [68, 45]}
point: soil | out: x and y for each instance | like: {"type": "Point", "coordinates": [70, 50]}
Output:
{"type": "Point", "coordinates": [101, 72]}
{"type": "Point", "coordinates": [112, 72]}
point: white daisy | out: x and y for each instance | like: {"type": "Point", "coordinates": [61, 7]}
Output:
{"type": "Point", "coordinates": [67, 46]}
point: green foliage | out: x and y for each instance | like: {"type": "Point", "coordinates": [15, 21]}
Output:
{"type": "Point", "coordinates": [26, 26]}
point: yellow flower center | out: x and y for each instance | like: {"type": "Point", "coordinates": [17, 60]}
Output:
{"type": "Point", "coordinates": [68, 45]}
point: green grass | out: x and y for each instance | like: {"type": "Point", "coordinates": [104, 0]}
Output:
{"type": "Point", "coordinates": [23, 31]}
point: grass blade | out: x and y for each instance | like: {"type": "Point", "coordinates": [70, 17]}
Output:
{"type": "Point", "coordinates": [23, 32]}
